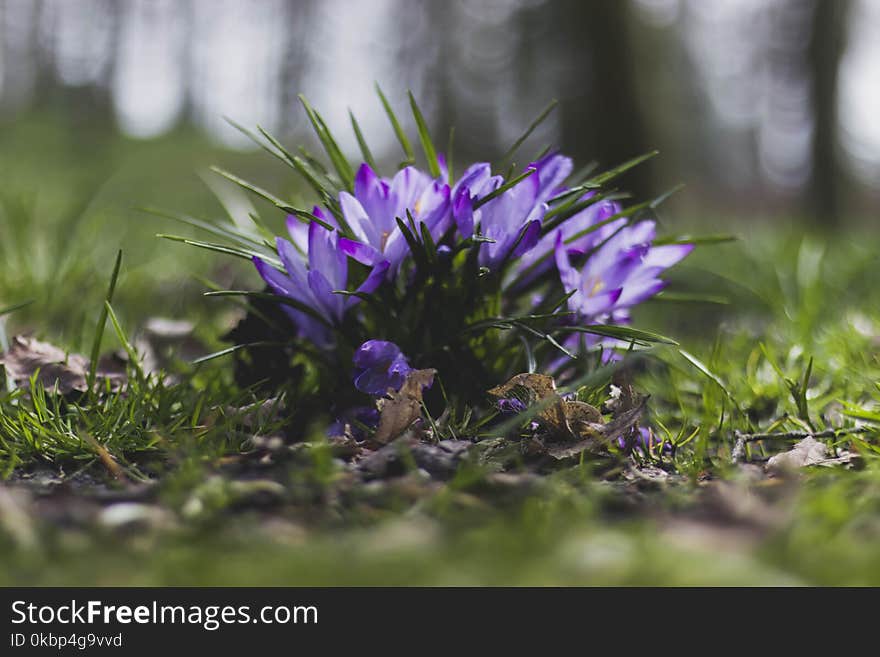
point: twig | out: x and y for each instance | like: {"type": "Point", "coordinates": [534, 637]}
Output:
{"type": "Point", "coordinates": [742, 439]}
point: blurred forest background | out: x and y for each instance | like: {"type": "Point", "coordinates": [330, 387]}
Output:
{"type": "Point", "coordinates": [763, 107]}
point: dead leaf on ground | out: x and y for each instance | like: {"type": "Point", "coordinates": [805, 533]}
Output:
{"type": "Point", "coordinates": [562, 417]}
{"type": "Point", "coordinates": [65, 373]}
{"type": "Point", "coordinates": [805, 453]}
{"type": "Point", "coordinates": [402, 408]}
{"type": "Point", "coordinates": [602, 434]}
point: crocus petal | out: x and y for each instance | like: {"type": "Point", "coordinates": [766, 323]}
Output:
{"type": "Point", "coordinates": [474, 179]}
{"type": "Point", "coordinates": [371, 192]}
{"type": "Point", "coordinates": [634, 292]}
{"type": "Point", "coordinates": [356, 217]}
{"type": "Point", "coordinates": [373, 280]}
{"type": "Point", "coordinates": [325, 257]}
{"type": "Point", "coordinates": [667, 255]}
{"type": "Point", "coordinates": [294, 264]}
{"type": "Point", "coordinates": [333, 305]}
{"type": "Point", "coordinates": [530, 235]}
{"type": "Point", "coordinates": [595, 305]}
{"type": "Point", "coordinates": [363, 253]}
{"type": "Point", "coordinates": [309, 327]}
{"type": "Point", "coordinates": [373, 381]}
{"type": "Point", "coordinates": [373, 352]}
{"type": "Point", "coordinates": [463, 212]}
{"type": "Point", "coordinates": [567, 274]}
{"type": "Point", "coordinates": [552, 169]}
{"type": "Point", "coordinates": [276, 280]}
{"type": "Point", "coordinates": [380, 366]}
{"type": "Point", "coordinates": [299, 232]}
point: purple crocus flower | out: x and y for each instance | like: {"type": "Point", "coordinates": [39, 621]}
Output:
{"type": "Point", "coordinates": [476, 182]}
{"type": "Point", "coordinates": [379, 366]}
{"type": "Point", "coordinates": [313, 277]}
{"type": "Point", "coordinates": [621, 273]}
{"type": "Point", "coordinates": [553, 171]}
{"type": "Point", "coordinates": [513, 219]}
{"type": "Point", "coordinates": [645, 441]}
{"type": "Point", "coordinates": [377, 202]}
{"type": "Point", "coordinates": [353, 418]}
{"type": "Point", "coordinates": [539, 259]}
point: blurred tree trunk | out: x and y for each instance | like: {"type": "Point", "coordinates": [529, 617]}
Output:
{"type": "Point", "coordinates": [600, 115]}
{"type": "Point", "coordinates": [826, 44]}
{"type": "Point", "coordinates": [298, 17]}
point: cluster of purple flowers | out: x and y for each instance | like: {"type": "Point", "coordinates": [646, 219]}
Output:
{"type": "Point", "coordinates": [607, 266]}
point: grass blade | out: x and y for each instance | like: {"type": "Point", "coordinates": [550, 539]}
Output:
{"type": "Point", "coordinates": [625, 333]}
{"type": "Point", "coordinates": [503, 188]}
{"type": "Point", "coordinates": [532, 127]}
{"type": "Point", "coordinates": [362, 143]}
{"type": "Point", "coordinates": [425, 138]}
{"type": "Point", "coordinates": [102, 321]}
{"type": "Point", "coordinates": [701, 366]}
{"type": "Point", "coordinates": [231, 350]}
{"type": "Point", "coordinates": [120, 334]}
{"type": "Point", "coordinates": [340, 163]}
{"type": "Point", "coordinates": [13, 308]}
{"type": "Point", "coordinates": [605, 177]}
{"type": "Point", "coordinates": [276, 298]}
{"type": "Point", "coordinates": [259, 191]}
{"type": "Point", "coordinates": [226, 249]}
{"type": "Point", "coordinates": [398, 130]}
{"type": "Point", "coordinates": [697, 239]}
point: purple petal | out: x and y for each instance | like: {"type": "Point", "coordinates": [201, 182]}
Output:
{"type": "Point", "coordinates": [357, 218]}
{"type": "Point", "coordinates": [363, 253]}
{"type": "Point", "coordinates": [373, 381]}
{"type": "Point", "coordinates": [474, 179]}
{"type": "Point", "coordinates": [374, 352]}
{"type": "Point", "coordinates": [373, 280]}
{"type": "Point", "coordinates": [298, 231]}
{"type": "Point", "coordinates": [567, 274]}
{"type": "Point", "coordinates": [552, 169]}
{"type": "Point", "coordinates": [325, 257]}
{"type": "Point", "coordinates": [599, 304]}
{"type": "Point", "coordinates": [276, 280]}
{"type": "Point", "coordinates": [634, 292]}
{"type": "Point", "coordinates": [333, 305]}
{"type": "Point", "coordinates": [667, 255]}
{"type": "Point", "coordinates": [531, 234]}
{"type": "Point", "coordinates": [293, 263]}
{"type": "Point", "coordinates": [463, 212]}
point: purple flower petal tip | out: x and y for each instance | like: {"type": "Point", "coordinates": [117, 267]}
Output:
{"type": "Point", "coordinates": [379, 366]}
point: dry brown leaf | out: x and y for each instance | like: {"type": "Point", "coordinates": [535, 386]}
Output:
{"type": "Point", "coordinates": [402, 408]}
{"type": "Point", "coordinates": [808, 451]}
{"type": "Point", "coordinates": [65, 373]}
{"type": "Point", "coordinates": [595, 434]}
{"type": "Point", "coordinates": [563, 418]}
{"type": "Point", "coordinates": [805, 453]}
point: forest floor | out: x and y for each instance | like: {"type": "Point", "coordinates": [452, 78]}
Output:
{"type": "Point", "coordinates": [187, 480]}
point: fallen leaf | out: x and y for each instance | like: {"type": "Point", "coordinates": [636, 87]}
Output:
{"type": "Point", "coordinates": [598, 434]}
{"type": "Point", "coordinates": [808, 451]}
{"type": "Point", "coordinates": [805, 453]}
{"type": "Point", "coordinates": [561, 417]}
{"type": "Point", "coordinates": [59, 371]}
{"type": "Point", "coordinates": [402, 408]}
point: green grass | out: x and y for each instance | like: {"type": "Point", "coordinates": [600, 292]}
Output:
{"type": "Point", "coordinates": [793, 346]}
